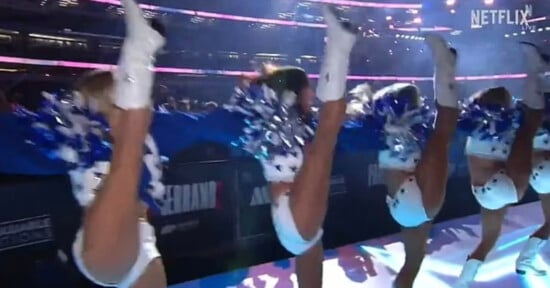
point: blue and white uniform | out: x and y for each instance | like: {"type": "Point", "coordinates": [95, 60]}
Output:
{"type": "Point", "coordinates": [540, 177]}
{"type": "Point", "coordinates": [491, 131]}
{"type": "Point", "coordinates": [276, 135]}
{"type": "Point", "coordinates": [403, 127]}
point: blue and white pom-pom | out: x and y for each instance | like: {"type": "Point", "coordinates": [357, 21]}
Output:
{"type": "Point", "coordinates": [273, 125]}
{"type": "Point", "coordinates": [403, 126]}
{"type": "Point", "coordinates": [488, 122]}
{"type": "Point", "coordinates": [67, 130]}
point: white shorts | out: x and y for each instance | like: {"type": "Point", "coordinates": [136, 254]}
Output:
{"type": "Point", "coordinates": [497, 193]}
{"type": "Point", "coordinates": [286, 230]}
{"type": "Point", "coordinates": [406, 206]}
{"type": "Point", "coordinates": [147, 253]}
{"type": "Point", "coordinates": [540, 177]}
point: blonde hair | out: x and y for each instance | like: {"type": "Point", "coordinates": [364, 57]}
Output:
{"type": "Point", "coordinates": [96, 88]}
{"type": "Point", "coordinates": [268, 69]}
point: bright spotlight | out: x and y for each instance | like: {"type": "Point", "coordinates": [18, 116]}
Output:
{"type": "Point", "coordinates": [450, 2]}
{"type": "Point", "coordinates": [506, 35]}
{"type": "Point", "coordinates": [489, 2]}
{"type": "Point", "coordinates": [453, 11]}
{"type": "Point", "coordinates": [388, 18]}
{"type": "Point", "coordinates": [397, 35]}
{"type": "Point", "coordinates": [417, 20]}
{"type": "Point", "coordinates": [522, 32]}
{"type": "Point", "coordinates": [414, 11]}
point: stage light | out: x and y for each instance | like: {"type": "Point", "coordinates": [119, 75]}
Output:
{"type": "Point", "coordinates": [489, 2]}
{"type": "Point", "coordinates": [450, 2]}
{"type": "Point", "coordinates": [234, 73]}
{"type": "Point", "coordinates": [388, 18]}
{"type": "Point", "coordinates": [515, 34]}
{"type": "Point", "coordinates": [417, 20]}
{"type": "Point", "coordinates": [522, 32]}
{"type": "Point", "coordinates": [540, 29]}
{"type": "Point", "coordinates": [414, 11]}
{"type": "Point", "coordinates": [506, 35]}
{"type": "Point", "coordinates": [453, 11]}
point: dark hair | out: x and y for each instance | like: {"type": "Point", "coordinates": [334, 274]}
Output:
{"type": "Point", "coordinates": [407, 91]}
{"type": "Point", "coordinates": [495, 96]}
{"type": "Point", "coordinates": [292, 79]}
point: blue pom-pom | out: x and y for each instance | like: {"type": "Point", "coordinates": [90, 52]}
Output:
{"type": "Point", "coordinates": [402, 125]}
{"type": "Point", "coordinates": [486, 121]}
{"type": "Point", "coordinates": [64, 131]}
{"type": "Point", "coordinates": [271, 126]}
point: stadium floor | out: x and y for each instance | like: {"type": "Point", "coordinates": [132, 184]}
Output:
{"type": "Point", "coordinates": [374, 263]}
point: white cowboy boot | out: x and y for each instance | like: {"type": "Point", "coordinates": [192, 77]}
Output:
{"type": "Point", "coordinates": [341, 38]}
{"type": "Point", "coordinates": [526, 262]}
{"type": "Point", "coordinates": [535, 85]}
{"type": "Point", "coordinates": [468, 274]}
{"type": "Point", "coordinates": [445, 71]}
{"type": "Point", "coordinates": [134, 75]}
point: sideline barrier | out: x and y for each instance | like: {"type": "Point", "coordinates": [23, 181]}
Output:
{"type": "Point", "coordinates": [219, 212]}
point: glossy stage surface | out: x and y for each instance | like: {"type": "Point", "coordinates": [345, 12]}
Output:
{"type": "Point", "coordinates": [374, 263]}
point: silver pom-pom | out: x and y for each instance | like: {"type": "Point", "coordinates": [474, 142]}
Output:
{"type": "Point", "coordinates": [273, 125]}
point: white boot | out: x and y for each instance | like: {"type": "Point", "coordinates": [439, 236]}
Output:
{"type": "Point", "coordinates": [526, 264]}
{"type": "Point", "coordinates": [535, 85]}
{"type": "Point", "coordinates": [468, 274]}
{"type": "Point", "coordinates": [445, 71]}
{"type": "Point", "coordinates": [134, 75]}
{"type": "Point", "coordinates": [341, 38]}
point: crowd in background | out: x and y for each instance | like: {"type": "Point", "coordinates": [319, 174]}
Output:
{"type": "Point", "coordinates": [172, 99]}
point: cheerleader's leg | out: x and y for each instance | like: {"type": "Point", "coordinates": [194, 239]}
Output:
{"type": "Point", "coordinates": [519, 164]}
{"type": "Point", "coordinates": [491, 225]}
{"type": "Point", "coordinates": [299, 216]}
{"type": "Point", "coordinates": [431, 171]}
{"type": "Point", "coordinates": [115, 247]}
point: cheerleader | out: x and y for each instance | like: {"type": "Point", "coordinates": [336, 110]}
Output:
{"type": "Point", "coordinates": [271, 118]}
{"type": "Point", "coordinates": [500, 159]}
{"type": "Point", "coordinates": [414, 154]}
{"type": "Point", "coordinates": [540, 182]}
{"type": "Point", "coordinates": [102, 135]}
